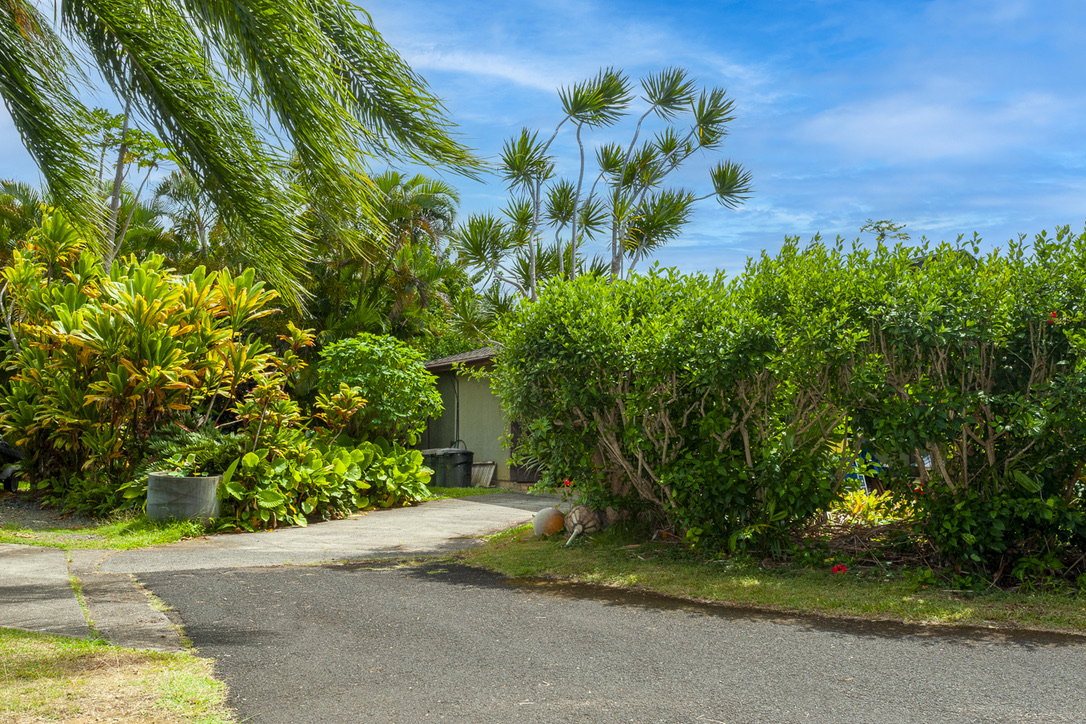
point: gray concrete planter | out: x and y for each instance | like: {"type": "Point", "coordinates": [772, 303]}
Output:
{"type": "Point", "coordinates": [173, 497]}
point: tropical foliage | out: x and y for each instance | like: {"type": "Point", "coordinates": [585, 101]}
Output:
{"type": "Point", "coordinates": [310, 479]}
{"type": "Point", "coordinates": [102, 361]}
{"type": "Point", "coordinates": [400, 394]}
{"type": "Point", "coordinates": [103, 366]}
{"type": "Point", "coordinates": [405, 282]}
{"type": "Point", "coordinates": [20, 211]}
{"type": "Point", "coordinates": [624, 199]}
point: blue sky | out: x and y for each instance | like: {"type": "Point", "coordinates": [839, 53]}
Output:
{"type": "Point", "coordinates": [951, 116]}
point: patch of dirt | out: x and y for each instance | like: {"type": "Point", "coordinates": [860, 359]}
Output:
{"type": "Point", "coordinates": [878, 544]}
{"type": "Point", "coordinates": [23, 510]}
{"type": "Point", "coordinates": [113, 694]}
{"type": "Point", "coordinates": [107, 687]}
{"type": "Point", "coordinates": [30, 657]}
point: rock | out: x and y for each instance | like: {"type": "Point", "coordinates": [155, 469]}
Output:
{"type": "Point", "coordinates": [548, 522]}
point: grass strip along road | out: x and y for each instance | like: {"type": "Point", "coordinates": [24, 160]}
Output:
{"type": "Point", "coordinates": [614, 558]}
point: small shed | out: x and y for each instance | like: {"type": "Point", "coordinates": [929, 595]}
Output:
{"type": "Point", "coordinates": [473, 419]}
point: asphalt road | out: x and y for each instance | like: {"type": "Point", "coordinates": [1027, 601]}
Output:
{"type": "Point", "coordinates": [359, 643]}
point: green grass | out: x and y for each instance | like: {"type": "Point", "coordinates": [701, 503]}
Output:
{"type": "Point", "coordinates": [52, 678]}
{"type": "Point", "coordinates": [122, 532]}
{"type": "Point", "coordinates": [81, 598]}
{"type": "Point", "coordinates": [129, 530]}
{"type": "Point", "coordinates": [439, 493]}
{"type": "Point", "coordinates": [611, 559]}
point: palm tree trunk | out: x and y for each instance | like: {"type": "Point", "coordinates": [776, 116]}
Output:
{"type": "Point", "coordinates": [115, 201]}
{"type": "Point", "coordinates": [561, 254]}
{"type": "Point", "coordinates": [531, 239]}
{"type": "Point", "coordinates": [616, 252]}
{"type": "Point", "coordinates": [128, 219]}
{"type": "Point", "coordinates": [576, 209]}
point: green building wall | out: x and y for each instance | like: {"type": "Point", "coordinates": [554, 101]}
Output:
{"type": "Point", "coordinates": [482, 423]}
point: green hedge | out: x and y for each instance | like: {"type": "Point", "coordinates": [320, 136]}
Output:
{"type": "Point", "coordinates": [969, 363]}
{"type": "Point", "coordinates": [672, 393]}
{"type": "Point", "coordinates": [732, 408]}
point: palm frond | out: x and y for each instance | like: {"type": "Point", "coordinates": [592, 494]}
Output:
{"type": "Point", "coordinates": [668, 91]}
{"type": "Point", "coordinates": [392, 102]}
{"type": "Point", "coordinates": [732, 184]}
{"type": "Point", "coordinates": [329, 87]}
{"type": "Point", "coordinates": [524, 160]}
{"type": "Point", "coordinates": [151, 56]}
{"type": "Point", "coordinates": [293, 71]}
{"type": "Point", "coordinates": [35, 84]}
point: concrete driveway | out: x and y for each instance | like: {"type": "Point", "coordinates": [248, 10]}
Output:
{"type": "Point", "coordinates": [36, 593]}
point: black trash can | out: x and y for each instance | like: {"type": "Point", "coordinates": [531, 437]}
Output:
{"type": "Point", "coordinates": [451, 466]}
{"type": "Point", "coordinates": [458, 468]}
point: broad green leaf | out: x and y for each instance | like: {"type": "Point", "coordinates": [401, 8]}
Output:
{"type": "Point", "coordinates": [270, 498]}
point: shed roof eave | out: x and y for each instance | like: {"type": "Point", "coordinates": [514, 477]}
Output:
{"type": "Point", "coordinates": [483, 356]}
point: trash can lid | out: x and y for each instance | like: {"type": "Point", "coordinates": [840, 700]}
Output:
{"type": "Point", "coordinates": [439, 451]}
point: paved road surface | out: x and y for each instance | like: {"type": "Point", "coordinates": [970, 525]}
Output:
{"type": "Point", "coordinates": [36, 591]}
{"type": "Point", "coordinates": [365, 643]}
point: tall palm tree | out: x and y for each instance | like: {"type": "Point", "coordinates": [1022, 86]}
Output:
{"type": "Point", "coordinates": [319, 76]}
{"type": "Point", "coordinates": [415, 208]}
{"type": "Point", "coordinates": [193, 219]}
{"type": "Point", "coordinates": [402, 285]}
{"type": "Point", "coordinates": [20, 211]}
{"type": "Point", "coordinates": [414, 211]}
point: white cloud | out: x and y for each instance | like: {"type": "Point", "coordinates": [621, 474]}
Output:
{"type": "Point", "coordinates": [752, 84]}
{"type": "Point", "coordinates": [550, 43]}
{"type": "Point", "coordinates": [529, 74]}
{"type": "Point", "coordinates": [927, 126]}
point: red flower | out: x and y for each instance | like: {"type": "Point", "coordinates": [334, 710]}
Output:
{"type": "Point", "coordinates": [1052, 318]}
{"type": "Point", "coordinates": [567, 482]}
{"type": "Point", "coordinates": [840, 568]}
{"type": "Point", "coordinates": [919, 489]}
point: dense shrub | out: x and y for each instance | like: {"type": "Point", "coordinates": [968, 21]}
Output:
{"type": "Point", "coordinates": [284, 468]}
{"type": "Point", "coordinates": [113, 375]}
{"type": "Point", "coordinates": [967, 367]}
{"type": "Point", "coordinates": [734, 408]}
{"type": "Point", "coordinates": [672, 393]}
{"type": "Point", "coordinates": [292, 471]}
{"type": "Point", "coordinates": [293, 475]}
{"type": "Point", "coordinates": [400, 394]}
{"type": "Point", "coordinates": [101, 362]}
{"type": "Point", "coordinates": [310, 479]}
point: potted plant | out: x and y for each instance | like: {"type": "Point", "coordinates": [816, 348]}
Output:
{"type": "Point", "coordinates": [186, 492]}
